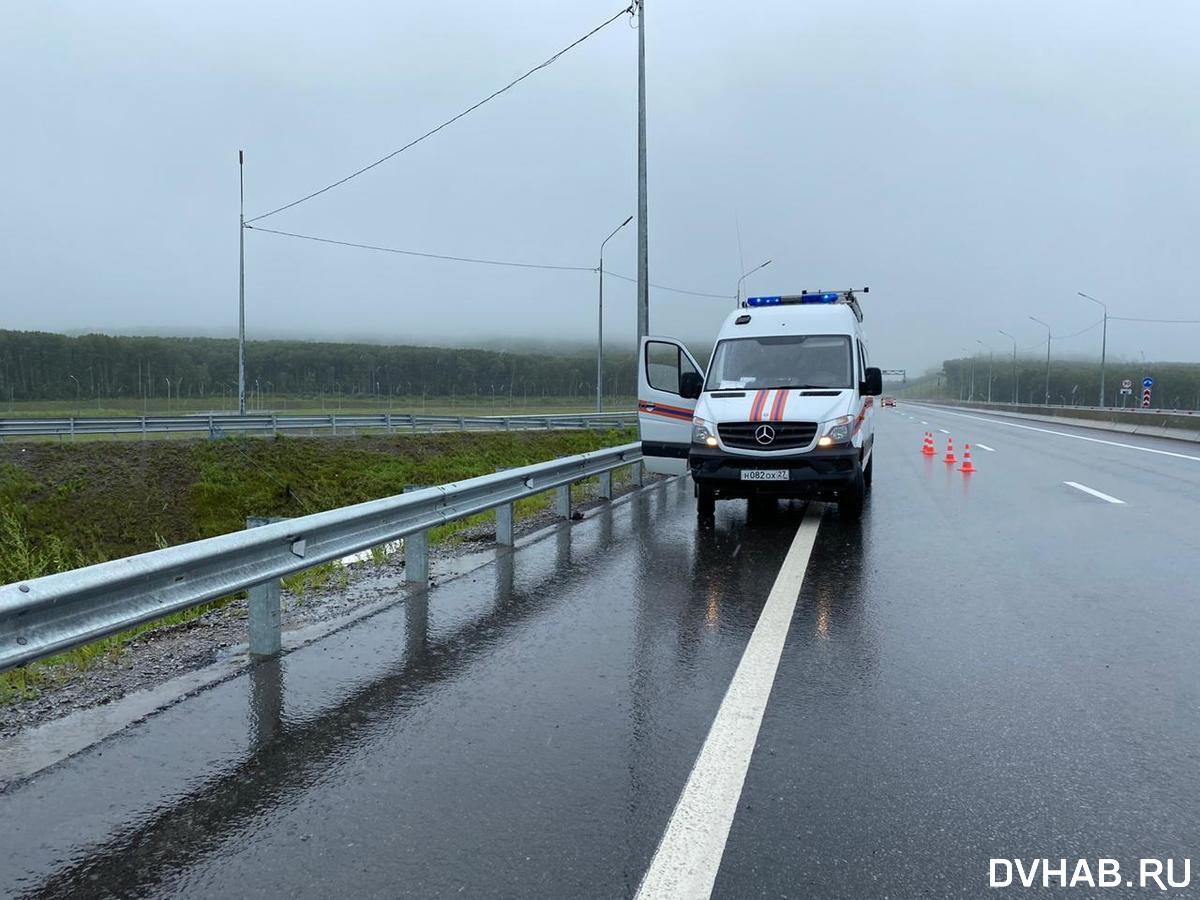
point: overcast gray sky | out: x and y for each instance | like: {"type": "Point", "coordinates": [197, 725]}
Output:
{"type": "Point", "coordinates": [974, 163]}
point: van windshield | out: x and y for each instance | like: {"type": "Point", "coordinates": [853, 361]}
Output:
{"type": "Point", "coordinates": [788, 361]}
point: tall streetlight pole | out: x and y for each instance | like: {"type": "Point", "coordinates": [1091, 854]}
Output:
{"type": "Point", "coordinates": [76, 380]}
{"type": "Point", "coordinates": [1103, 339]}
{"type": "Point", "coordinates": [241, 285]}
{"type": "Point", "coordinates": [989, 350]}
{"type": "Point", "coordinates": [1047, 327]}
{"type": "Point", "coordinates": [971, 395]}
{"type": "Point", "coordinates": [737, 303]}
{"type": "Point", "coordinates": [600, 324]}
{"type": "Point", "coordinates": [1016, 398]}
{"type": "Point", "coordinates": [643, 270]}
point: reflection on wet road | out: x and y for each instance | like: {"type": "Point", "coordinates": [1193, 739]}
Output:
{"type": "Point", "coordinates": [978, 669]}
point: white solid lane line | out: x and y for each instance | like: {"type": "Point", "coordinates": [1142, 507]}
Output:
{"type": "Point", "coordinates": [687, 859]}
{"type": "Point", "coordinates": [984, 447]}
{"type": "Point", "coordinates": [1078, 437]}
{"type": "Point", "coordinates": [1092, 491]}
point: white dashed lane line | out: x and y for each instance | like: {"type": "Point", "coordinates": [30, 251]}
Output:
{"type": "Point", "coordinates": [1093, 492]}
{"type": "Point", "coordinates": [984, 447]}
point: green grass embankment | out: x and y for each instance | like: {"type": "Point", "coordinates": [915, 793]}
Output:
{"type": "Point", "coordinates": [66, 505]}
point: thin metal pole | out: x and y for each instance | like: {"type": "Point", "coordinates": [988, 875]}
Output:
{"type": "Point", "coordinates": [600, 323]}
{"type": "Point", "coordinates": [1016, 398]}
{"type": "Point", "coordinates": [241, 286]}
{"type": "Point", "coordinates": [600, 339]}
{"type": "Point", "coordinates": [1103, 338]}
{"type": "Point", "coordinates": [643, 272]}
{"type": "Point", "coordinates": [1103, 347]}
{"type": "Point", "coordinates": [1047, 327]}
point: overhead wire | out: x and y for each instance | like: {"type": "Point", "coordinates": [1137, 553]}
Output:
{"type": "Point", "coordinates": [465, 259]}
{"type": "Point", "coordinates": [542, 65]}
{"type": "Point", "coordinates": [474, 260]}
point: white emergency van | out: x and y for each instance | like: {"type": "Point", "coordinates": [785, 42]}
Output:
{"type": "Point", "coordinates": [785, 410]}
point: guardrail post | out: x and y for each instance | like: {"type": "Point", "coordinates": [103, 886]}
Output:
{"type": "Point", "coordinates": [143, 428]}
{"type": "Point", "coordinates": [72, 428]}
{"type": "Point", "coordinates": [389, 423]}
{"type": "Point", "coordinates": [266, 638]}
{"type": "Point", "coordinates": [416, 551]}
{"type": "Point", "coordinates": [461, 424]}
{"type": "Point", "coordinates": [562, 501]}
{"type": "Point", "coordinates": [637, 474]}
{"type": "Point", "coordinates": [606, 485]}
{"type": "Point", "coordinates": [274, 425]}
{"type": "Point", "coordinates": [333, 422]}
{"type": "Point", "coordinates": [505, 522]}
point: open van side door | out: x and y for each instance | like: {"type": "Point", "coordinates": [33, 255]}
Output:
{"type": "Point", "coordinates": [666, 373]}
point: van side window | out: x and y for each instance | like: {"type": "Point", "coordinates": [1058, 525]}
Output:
{"type": "Point", "coordinates": [664, 363]}
{"type": "Point", "coordinates": [862, 361]}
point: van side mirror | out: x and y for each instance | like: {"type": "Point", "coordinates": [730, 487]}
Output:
{"type": "Point", "coordinates": [872, 385]}
{"type": "Point", "coordinates": [689, 386]}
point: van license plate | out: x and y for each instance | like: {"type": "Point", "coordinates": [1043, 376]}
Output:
{"type": "Point", "coordinates": [765, 474]}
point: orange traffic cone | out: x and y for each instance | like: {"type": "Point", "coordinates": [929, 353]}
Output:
{"type": "Point", "coordinates": [927, 447]}
{"type": "Point", "coordinates": [950, 458]}
{"type": "Point", "coordinates": [967, 467]}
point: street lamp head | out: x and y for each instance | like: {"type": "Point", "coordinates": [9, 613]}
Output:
{"type": "Point", "coordinates": [626, 222]}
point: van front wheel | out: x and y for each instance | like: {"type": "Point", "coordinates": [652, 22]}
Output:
{"type": "Point", "coordinates": [852, 497]}
{"type": "Point", "coordinates": [706, 501]}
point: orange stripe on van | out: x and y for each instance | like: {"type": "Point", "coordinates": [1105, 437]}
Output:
{"type": "Point", "coordinates": [756, 408]}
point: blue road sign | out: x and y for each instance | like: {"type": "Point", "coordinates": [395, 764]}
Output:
{"type": "Point", "coordinates": [1147, 382]}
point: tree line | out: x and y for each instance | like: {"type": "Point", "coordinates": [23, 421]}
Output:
{"type": "Point", "coordinates": [1072, 382]}
{"type": "Point", "coordinates": [45, 366]}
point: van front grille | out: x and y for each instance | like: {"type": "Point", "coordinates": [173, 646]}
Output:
{"type": "Point", "coordinates": [787, 435]}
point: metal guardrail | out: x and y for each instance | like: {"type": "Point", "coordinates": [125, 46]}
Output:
{"type": "Point", "coordinates": [43, 616]}
{"type": "Point", "coordinates": [218, 424]}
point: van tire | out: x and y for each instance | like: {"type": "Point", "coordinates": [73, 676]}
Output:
{"type": "Point", "coordinates": [868, 472]}
{"type": "Point", "coordinates": [852, 497]}
{"type": "Point", "coordinates": [706, 501]}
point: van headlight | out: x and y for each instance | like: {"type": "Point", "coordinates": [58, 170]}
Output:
{"type": "Point", "coordinates": [704, 432]}
{"type": "Point", "coordinates": [836, 431]}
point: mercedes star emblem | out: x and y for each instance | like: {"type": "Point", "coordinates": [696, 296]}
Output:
{"type": "Point", "coordinates": [764, 434]}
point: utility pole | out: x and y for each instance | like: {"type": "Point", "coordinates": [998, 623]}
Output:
{"type": "Point", "coordinates": [241, 286]}
{"type": "Point", "coordinates": [1103, 339]}
{"type": "Point", "coordinates": [643, 272]}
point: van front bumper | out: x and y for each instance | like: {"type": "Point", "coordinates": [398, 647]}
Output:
{"type": "Point", "coordinates": [816, 474]}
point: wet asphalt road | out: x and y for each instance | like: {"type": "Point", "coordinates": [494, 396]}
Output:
{"type": "Point", "coordinates": [994, 666]}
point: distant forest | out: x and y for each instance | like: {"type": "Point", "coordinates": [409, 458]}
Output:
{"type": "Point", "coordinates": [43, 366]}
{"type": "Point", "coordinates": [1072, 383]}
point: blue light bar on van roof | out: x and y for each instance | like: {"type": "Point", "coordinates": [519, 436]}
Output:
{"type": "Point", "coordinates": [778, 300]}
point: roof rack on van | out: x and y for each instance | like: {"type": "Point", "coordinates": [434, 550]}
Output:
{"type": "Point", "coordinates": [809, 298]}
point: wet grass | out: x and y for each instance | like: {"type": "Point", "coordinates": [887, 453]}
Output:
{"type": "Point", "coordinates": [66, 506]}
